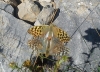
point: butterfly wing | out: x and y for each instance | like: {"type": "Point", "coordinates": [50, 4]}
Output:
{"type": "Point", "coordinates": [57, 48]}
{"type": "Point", "coordinates": [38, 31]}
{"type": "Point", "coordinates": [60, 34]}
{"type": "Point", "coordinates": [35, 43]}
{"type": "Point", "coordinates": [54, 47]}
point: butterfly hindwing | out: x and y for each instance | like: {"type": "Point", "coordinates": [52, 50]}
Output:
{"type": "Point", "coordinates": [35, 43]}
{"type": "Point", "coordinates": [57, 48]}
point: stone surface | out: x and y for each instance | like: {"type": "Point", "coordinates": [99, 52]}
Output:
{"type": "Point", "coordinates": [12, 2]}
{"type": "Point", "coordinates": [8, 8]}
{"type": "Point", "coordinates": [45, 16]}
{"type": "Point", "coordinates": [28, 11]}
{"type": "Point", "coordinates": [78, 18]}
{"type": "Point", "coordinates": [45, 0]}
{"type": "Point", "coordinates": [84, 43]}
{"type": "Point", "coordinates": [13, 40]}
{"type": "Point", "coordinates": [50, 3]}
{"type": "Point", "coordinates": [44, 3]}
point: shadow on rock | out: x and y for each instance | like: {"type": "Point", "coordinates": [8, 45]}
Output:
{"type": "Point", "coordinates": [93, 37]}
{"type": "Point", "coordinates": [43, 60]}
{"type": "Point", "coordinates": [1, 50]}
{"type": "Point", "coordinates": [57, 14]}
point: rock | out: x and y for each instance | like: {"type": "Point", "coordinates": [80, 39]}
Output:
{"type": "Point", "coordinates": [50, 3]}
{"type": "Point", "coordinates": [82, 9]}
{"type": "Point", "coordinates": [28, 11]}
{"type": "Point", "coordinates": [47, 13]}
{"type": "Point", "coordinates": [23, 0]}
{"type": "Point", "coordinates": [45, 0]}
{"type": "Point", "coordinates": [44, 3]}
{"type": "Point", "coordinates": [12, 2]}
{"type": "Point", "coordinates": [13, 40]}
{"type": "Point", "coordinates": [6, 7]}
{"type": "Point", "coordinates": [27, 0]}
{"type": "Point", "coordinates": [83, 46]}
{"type": "Point", "coordinates": [1, 68]}
{"type": "Point", "coordinates": [45, 16]}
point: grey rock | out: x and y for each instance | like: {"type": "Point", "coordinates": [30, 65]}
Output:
{"type": "Point", "coordinates": [6, 7]}
{"type": "Point", "coordinates": [84, 41]}
{"type": "Point", "coordinates": [27, 0]}
{"type": "Point", "coordinates": [44, 3]}
{"type": "Point", "coordinates": [28, 11]}
{"type": "Point", "coordinates": [12, 2]}
{"type": "Point", "coordinates": [45, 0]}
{"type": "Point", "coordinates": [45, 16]}
{"type": "Point", "coordinates": [13, 40]}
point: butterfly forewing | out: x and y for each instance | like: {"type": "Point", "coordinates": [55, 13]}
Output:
{"type": "Point", "coordinates": [41, 31]}
{"type": "Point", "coordinates": [60, 34]}
{"type": "Point", "coordinates": [38, 31]}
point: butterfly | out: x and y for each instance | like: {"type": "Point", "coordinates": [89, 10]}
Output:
{"type": "Point", "coordinates": [49, 31]}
